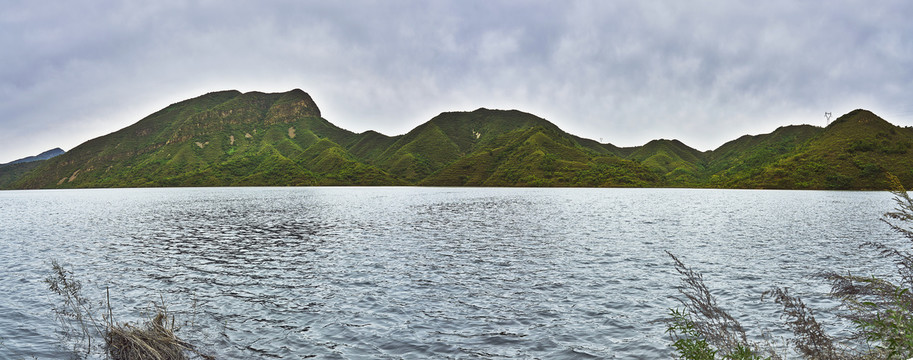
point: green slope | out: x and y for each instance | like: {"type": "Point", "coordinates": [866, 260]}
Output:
{"type": "Point", "coordinates": [369, 144]}
{"type": "Point", "coordinates": [231, 139]}
{"type": "Point", "coordinates": [675, 162]}
{"type": "Point", "coordinates": [12, 173]}
{"type": "Point", "coordinates": [451, 136]}
{"type": "Point", "coordinates": [540, 156]}
{"type": "Point", "coordinates": [853, 152]}
{"type": "Point", "coordinates": [219, 139]}
{"type": "Point", "coordinates": [419, 153]}
{"type": "Point", "coordinates": [736, 163]}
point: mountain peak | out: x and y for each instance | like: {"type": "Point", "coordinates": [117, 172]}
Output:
{"type": "Point", "coordinates": [43, 156]}
{"type": "Point", "coordinates": [858, 117]}
{"type": "Point", "coordinates": [299, 102]}
{"type": "Point", "coordinates": [297, 92]}
{"type": "Point", "coordinates": [857, 125]}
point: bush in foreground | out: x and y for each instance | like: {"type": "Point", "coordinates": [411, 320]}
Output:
{"type": "Point", "coordinates": [880, 309]}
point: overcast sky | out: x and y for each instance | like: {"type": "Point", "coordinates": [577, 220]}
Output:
{"type": "Point", "coordinates": [626, 72]}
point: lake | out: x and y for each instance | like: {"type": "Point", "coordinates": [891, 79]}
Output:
{"type": "Point", "coordinates": [406, 272]}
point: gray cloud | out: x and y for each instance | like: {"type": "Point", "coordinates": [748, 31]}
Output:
{"type": "Point", "coordinates": [626, 71]}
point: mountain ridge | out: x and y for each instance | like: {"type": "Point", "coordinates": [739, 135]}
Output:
{"type": "Point", "coordinates": [229, 138]}
{"type": "Point", "coordinates": [42, 156]}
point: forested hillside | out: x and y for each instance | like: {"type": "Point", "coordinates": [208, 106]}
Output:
{"type": "Point", "coordinates": [256, 139]}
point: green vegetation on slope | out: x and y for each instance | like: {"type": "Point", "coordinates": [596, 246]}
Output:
{"type": "Point", "coordinates": [231, 139]}
{"type": "Point", "coordinates": [736, 163]}
{"type": "Point", "coordinates": [674, 161]}
{"type": "Point", "coordinates": [448, 137]}
{"type": "Point", "coordinates": [540, 156]}
{"type": "Point", "coordinates": [219, 139]}
{"type": "Point", "coordinates": [11, 173]}
{"type": "Point", "coordinates": [853, 152]}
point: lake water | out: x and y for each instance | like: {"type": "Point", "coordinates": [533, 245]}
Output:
{"type": "Point", "coordinates": [423, 272]}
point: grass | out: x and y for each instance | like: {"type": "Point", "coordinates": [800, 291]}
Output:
{"type": "Point", "coordinates": [686, 339]}
{"type": "Point", "coordinates": [880, 309]}
{"type": "Point", "coordinates": [155, 340]}
{"type": "Point", "coordinates": [717, 332]}
{"type": "Point", "coordinates": [90, 333]}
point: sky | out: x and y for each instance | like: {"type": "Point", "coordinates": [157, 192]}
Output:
{"type": "Point", "coordinates": [623, 72]}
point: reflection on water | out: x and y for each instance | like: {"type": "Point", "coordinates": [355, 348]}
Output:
{"type": "Point", "coordinates": [422, 272]}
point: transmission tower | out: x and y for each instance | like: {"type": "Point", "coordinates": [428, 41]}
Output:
{"type": "Point", "coordinates": [827, 118]}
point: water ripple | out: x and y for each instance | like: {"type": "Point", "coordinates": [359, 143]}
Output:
{"type": "Point", "coordinates": [390, 273]}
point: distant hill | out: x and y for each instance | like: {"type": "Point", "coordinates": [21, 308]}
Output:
{"type": "Point", "coordinates": [853, 152]}
{"type": "Point", "coordinates": [232, 139]}
{"type": "Point", "coordinates": [12, 171]}
{"type": "Point", "coordinates": [43, 156]}
{"type": "Point", "coordinates": [539, 156]}
{"type": "Point", "coordinates": [677, 163]}
{"type": "Point", "coordinates": [739, 162]}
{"type": "Point", "coordinates": [499, 148]}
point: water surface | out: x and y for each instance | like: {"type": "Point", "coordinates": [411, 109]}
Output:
{"type": "Point", "coordinates": [423, 272]}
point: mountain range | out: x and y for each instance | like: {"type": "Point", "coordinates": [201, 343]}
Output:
{"type": "Point", "coordinates": [230, 138]}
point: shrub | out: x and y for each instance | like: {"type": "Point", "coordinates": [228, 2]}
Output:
{"type": "Point", "coordinates": [880, 309]}
{"type": "Point", "coordinates": [686, 339]}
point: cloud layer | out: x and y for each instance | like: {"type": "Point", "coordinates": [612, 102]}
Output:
{"type": "Point", "coordinates": [627, 72]}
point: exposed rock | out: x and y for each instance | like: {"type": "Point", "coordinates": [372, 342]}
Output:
{"type": "Point", "coordinates": [291, 107]}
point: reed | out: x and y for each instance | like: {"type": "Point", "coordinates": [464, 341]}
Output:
{"type": "Point", "coordinates": [155, 339]}
{"type": "Point", "coordinates": [715, 332]}
{"type": "Point", "coordinates": [881, 309]}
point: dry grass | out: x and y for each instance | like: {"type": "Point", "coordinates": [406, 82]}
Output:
{"type": "Point", "coordinates": [153, 340]}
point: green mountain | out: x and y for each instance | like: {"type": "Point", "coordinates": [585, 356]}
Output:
{"type": "Point", "coordinates": [218, 139]}
{"type": "Point", "coordinates": [853, 152]}
{"type": "Point", "coordinates": [232, 139]}
{"type": "Point", "coordinates": [491, 148]}
{"type": "Point", "coordinates": [736, 163]}
{"type": "Point", "coordinates": [11, 173]}
{"type": "Point", "coordinates": [14, 170]}
{"type": "Point", "coordinates": [540, 156]}
{"type": "Point", "coordinates": [673, 161]}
